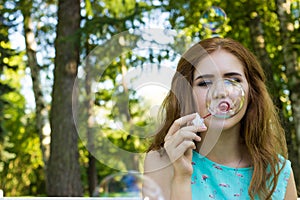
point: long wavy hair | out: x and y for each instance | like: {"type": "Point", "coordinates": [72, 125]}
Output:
{"type": "Point", "coordinates": [261, 130]}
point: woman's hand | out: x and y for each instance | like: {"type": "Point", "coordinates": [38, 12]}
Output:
{"type": "Point", "coordinates": [179, 143]}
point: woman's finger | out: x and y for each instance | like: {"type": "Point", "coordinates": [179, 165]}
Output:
{"type": "Point", "coordinates": [181, 135]}
{"type": "Point", "coordinates": [180, 150]}
{"type": "Point", "coordinates": [178, 123]}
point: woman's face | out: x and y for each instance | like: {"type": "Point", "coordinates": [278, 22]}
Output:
{"type": "Point", "coordinates": [218, 65]}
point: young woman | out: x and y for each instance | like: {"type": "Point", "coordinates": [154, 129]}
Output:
{"type": "Point", "coordinates": [248, 157]}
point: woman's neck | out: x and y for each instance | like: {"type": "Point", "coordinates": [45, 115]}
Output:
{"type": "Point", "coordinates": [229, 149]}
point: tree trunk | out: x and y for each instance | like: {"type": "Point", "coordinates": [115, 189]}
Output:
{"type": "Point", "coordinates": [63, 177]}
{"type": "Point", "coordinates": [92, 174]}
{"type": "Point", "coordinates": [40, 106]}
{"type": "Point", "coordinates": [291, 64]}
{"type": "Point", "coordinates": [92, 170]}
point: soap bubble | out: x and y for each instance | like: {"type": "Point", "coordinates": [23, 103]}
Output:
{"type": "Point", "coordinates": [225, 98]}
{"type": "Point", "coordinates": [213, 18]}
{"type": "Point", "coordinates": [116, 110]}
{"type": "Point", "coordinates": [132, 185]}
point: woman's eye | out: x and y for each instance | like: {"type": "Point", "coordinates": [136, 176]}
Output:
{"type": "Point", "coordinates": [204, 83]}
{"type": "Point", "coordinates": [236, 79]}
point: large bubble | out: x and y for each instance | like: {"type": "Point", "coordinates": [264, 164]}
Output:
{"type": "Point", "coordinates": [118, 92]}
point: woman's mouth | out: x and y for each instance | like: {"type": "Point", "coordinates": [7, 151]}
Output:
{"type": "Point", "coordinates": [224, 106]}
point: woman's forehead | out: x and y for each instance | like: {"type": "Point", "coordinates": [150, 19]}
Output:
{"type": "Point", "coordinates": [218, 63]}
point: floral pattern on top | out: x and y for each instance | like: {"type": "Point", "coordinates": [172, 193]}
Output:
{"type": "Point", "coordinates": [214, 181]}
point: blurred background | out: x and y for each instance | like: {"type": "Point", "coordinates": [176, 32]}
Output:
{"type": "Point", "coordinates": [79, 86]}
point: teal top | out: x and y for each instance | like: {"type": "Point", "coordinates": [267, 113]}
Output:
{"type": "Point", "coordinates": [214, 181]}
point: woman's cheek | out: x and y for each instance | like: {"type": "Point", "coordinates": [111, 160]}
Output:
{"type": "Point", "coordinates": [200, 99]}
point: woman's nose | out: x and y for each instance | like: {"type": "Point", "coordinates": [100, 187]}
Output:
{"type": "Point", "coordinates": [220, 91]}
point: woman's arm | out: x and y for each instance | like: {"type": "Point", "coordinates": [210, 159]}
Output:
{"type": "Point", "coordinates": [158, 168]}
{"type": "Point", "coordinates": [291, 191]}
{"type": "Point", "coordinates": [181, 188]}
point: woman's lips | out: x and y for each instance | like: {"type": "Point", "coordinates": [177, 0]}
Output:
{"type": "Point", "coordinates": [223, 106]}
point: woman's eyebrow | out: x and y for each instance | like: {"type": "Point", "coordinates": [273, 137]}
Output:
{"type": "Point", "coordinates": [204, 76]}
{"type": "Point", "coordinates": [232, 74]}
{"type": "Point", "coordinates": [229, 74]}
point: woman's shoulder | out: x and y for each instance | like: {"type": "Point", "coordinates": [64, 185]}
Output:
{"type": "Point", "coordinates": [156, 160]}
{"type": "Point", "coordinates": [284, 163]}
{"type": "Point", "coordinates": [284, 170]}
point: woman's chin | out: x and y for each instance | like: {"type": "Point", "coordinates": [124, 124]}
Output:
{"type": "Point", "coordinates": [221, 124]}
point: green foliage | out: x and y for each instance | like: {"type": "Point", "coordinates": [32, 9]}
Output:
{"type": "Point", "coordinates": [119, 8]}
{"type": "Point", "coordinates": [21, 167]}
{"type": "Point", "coordinates": [20, 144]}
{"type": "Point", "coordinates": [28, 179]}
